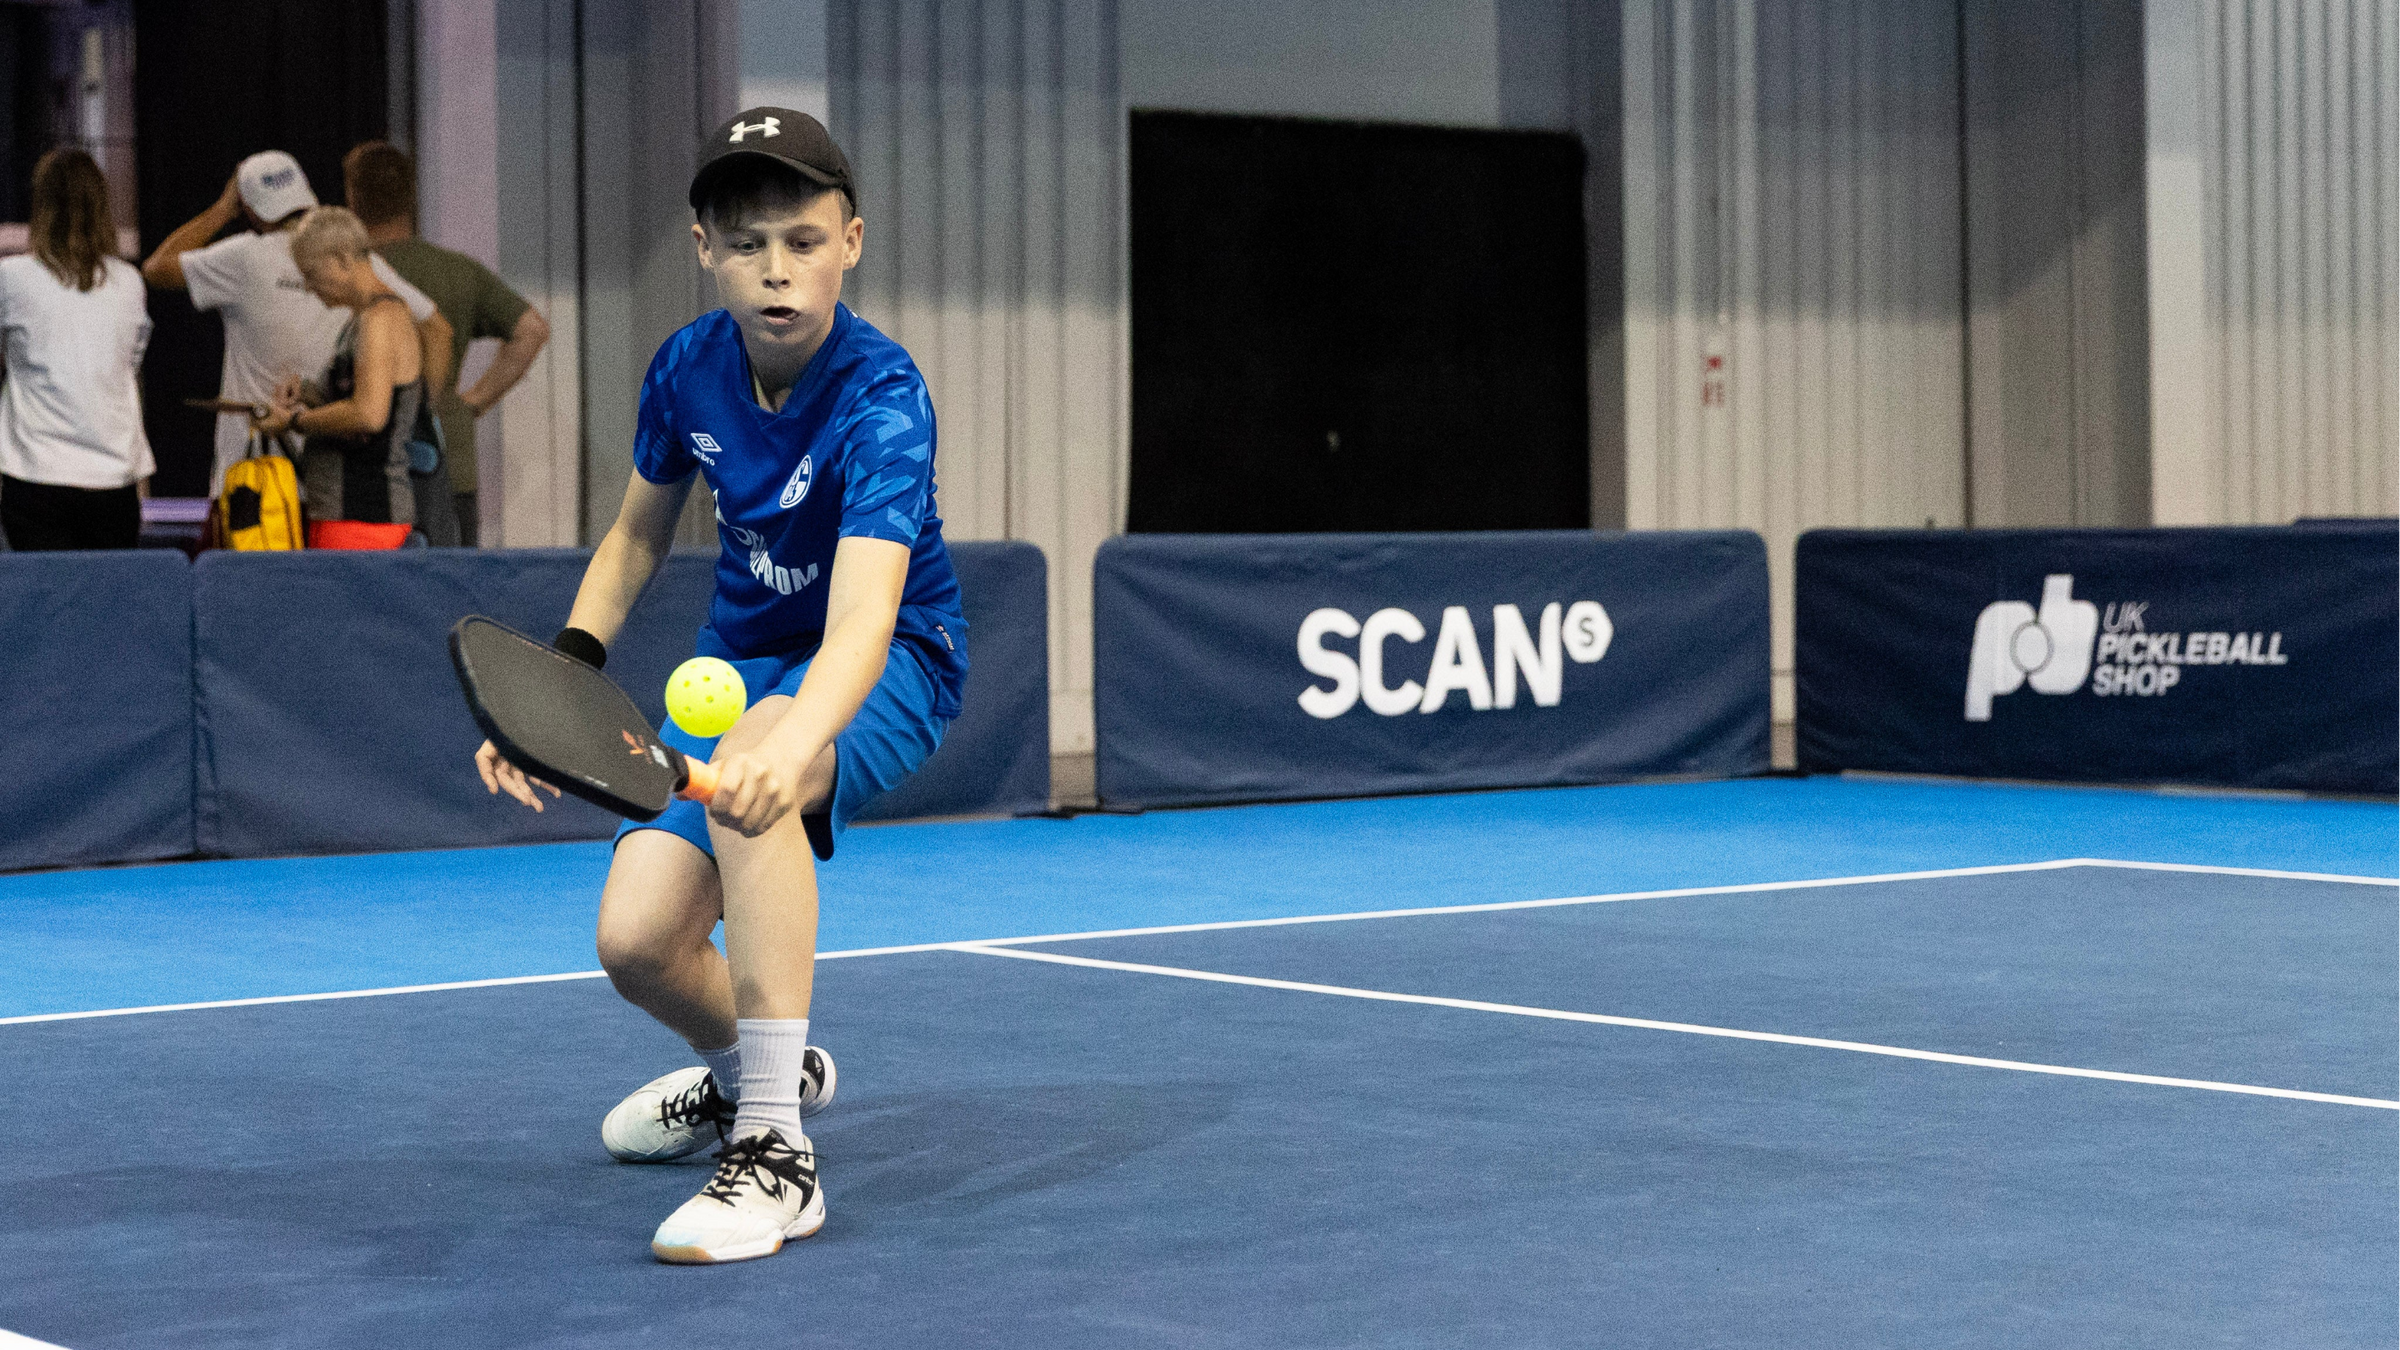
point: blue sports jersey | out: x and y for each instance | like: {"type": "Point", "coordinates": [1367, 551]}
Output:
{"type": "Point", "coordinates": [850, 455]}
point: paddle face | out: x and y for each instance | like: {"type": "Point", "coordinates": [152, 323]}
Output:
{"type": "Point", "coordinates": [563, 722]}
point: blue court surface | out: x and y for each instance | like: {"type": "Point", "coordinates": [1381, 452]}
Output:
{"type": "Point", "coordinates": [1783, 1062]}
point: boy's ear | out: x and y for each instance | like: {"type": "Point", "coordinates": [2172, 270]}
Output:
{"type": "Point", "coordinates": [700, 243]}
{"type": "Point", "coordinates": [853, 239]}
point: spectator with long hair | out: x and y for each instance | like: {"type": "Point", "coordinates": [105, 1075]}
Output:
{"type": "Point", "coordinates": [74, 321]}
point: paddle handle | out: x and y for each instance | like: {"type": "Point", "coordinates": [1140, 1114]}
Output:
{"type": "Point", "coordinates": [700, 781]}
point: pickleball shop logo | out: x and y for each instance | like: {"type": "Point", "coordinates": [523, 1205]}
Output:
{"type": "Point", "coordinates": [2054, 649]}
{"type": "Point", "coordinates": [1531, 656]}
{"type": "Point", "coordinates": [2015, 646]}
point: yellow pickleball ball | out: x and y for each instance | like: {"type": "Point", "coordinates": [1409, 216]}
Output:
{"type": "Point", "coordinates": [705, 696]}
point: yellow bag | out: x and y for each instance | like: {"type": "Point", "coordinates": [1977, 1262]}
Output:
{"type": "Point", "coordinates": [260, 505]}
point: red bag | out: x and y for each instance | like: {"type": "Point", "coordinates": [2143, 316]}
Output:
{"type": "Point", "coordinates": [355, 534]}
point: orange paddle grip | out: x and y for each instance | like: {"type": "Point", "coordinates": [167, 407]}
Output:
{"type": "Point", "coordinates": [700, 781]}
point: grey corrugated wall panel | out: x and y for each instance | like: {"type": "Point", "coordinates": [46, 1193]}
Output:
{"type": "Point", "coordinates": [2297, 148]}
{"type": "Point", "coordinates": [2057, 269]}
{"type": "Point", "coordinates": [987, 140]}
{"type": "Point", "coordinates": [656, 76]}
{"type": "Point", "coordinates": [1792, 211]}
{"type": "Point", "coordinates": [530, 448]}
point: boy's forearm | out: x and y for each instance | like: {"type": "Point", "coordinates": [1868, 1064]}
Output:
{"type": "Point", "coordinates": [843, 673]}
{"type": "Point", "coordinates": [621, 567]}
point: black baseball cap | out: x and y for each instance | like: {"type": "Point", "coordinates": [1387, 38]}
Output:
{"type": "Point", "coordinates": [779, 134]}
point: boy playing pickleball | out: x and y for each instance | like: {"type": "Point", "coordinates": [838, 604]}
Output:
{"type": "Point", "coordinates": [835, 601]}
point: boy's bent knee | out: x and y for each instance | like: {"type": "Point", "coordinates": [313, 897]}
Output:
{"type": "Point", "coordinates": [658, 909]}
{"type": "Point", "coordinates": [633, 957]}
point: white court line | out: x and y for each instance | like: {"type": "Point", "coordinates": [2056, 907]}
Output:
{"type": "Point", "coordinates": [2236, 871]}
{"type": "Point", "coordinates": [1687, 1028]}
{"type": "Point", "coordinates": [1494, 906]}
{"type": "Point", "coordinates": [10, 1340]}
{"type": "Point", "coordinates": [1745, 888]}
{"type": "Point", "coordinates": [1998, 869]}
{"type": "Point", "coordinates": [301, 998]}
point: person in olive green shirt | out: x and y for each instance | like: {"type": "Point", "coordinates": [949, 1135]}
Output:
{"type": "Point", "coordinates": [380, 181]}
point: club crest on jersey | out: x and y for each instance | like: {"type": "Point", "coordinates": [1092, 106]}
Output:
{"type": "Point", "coordinates": [796, 489]}
{"type": "Point", "coordinates": [706, 447]}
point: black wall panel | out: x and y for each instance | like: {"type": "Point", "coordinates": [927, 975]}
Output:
{"type": "Point", "coordinates": [1347, 326]}
{"type": "Point", "coordinates": [218, 82]}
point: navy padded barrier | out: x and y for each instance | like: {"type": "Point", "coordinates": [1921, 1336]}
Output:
{"type": "Point", "coordinates": [331, 723]}
{"type": "Point", "coordinates": [1233, 667]}
{"type": "Point", "coordinates": [330, 720]}
{"type": "Point", "coordinates": [2249, 656]}
{"type": "Point", "coordinates": [996, 757]}
{"type": "Point", "coordinates": [96, 680]}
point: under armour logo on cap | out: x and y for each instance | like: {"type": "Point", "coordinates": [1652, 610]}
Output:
{"type": "Point", "coordinates": [784, 135]}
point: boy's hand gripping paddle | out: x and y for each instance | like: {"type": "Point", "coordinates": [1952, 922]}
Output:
{"type": "Point", "coordinates": [567, 724]}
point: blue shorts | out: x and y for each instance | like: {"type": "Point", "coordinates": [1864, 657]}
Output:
{"type": "Point", "coordinates": [894, 731]}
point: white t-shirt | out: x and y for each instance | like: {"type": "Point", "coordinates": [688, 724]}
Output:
{"type": "Point", "coordinates": [71, 411]}
{"type": "Point", "coordinates": [274, 328]}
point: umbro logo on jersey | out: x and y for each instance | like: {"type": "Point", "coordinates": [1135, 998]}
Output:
{"type": "Point", "coordinates": [765, 126]}
{"type": "Point", "coordinates": [796, 489]}
{"type": "Point", "coordinates": [706, 447]}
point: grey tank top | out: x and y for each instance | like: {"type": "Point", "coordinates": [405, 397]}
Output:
{"type": "Point", "coordinates": [365, 477]}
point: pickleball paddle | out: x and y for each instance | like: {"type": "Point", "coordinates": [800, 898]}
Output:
{"type": "Point", "coordinates": [567, 724]}
{"type": "Point", "coordinates": [227, 405]}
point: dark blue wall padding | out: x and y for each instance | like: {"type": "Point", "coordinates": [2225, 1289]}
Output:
{"type": "Point", "coordinates": [330, 721]}
{"type": "Point", "coordinates": [996, 756]}
{"type": "Point", "coordinates": [2262, 657]}
{"type": "Point", "coordinates": [1198, 652]}
{"type": "Point", "coordinates": [96, 688]}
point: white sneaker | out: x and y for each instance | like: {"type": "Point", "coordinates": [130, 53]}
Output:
{"type": "Point", "coordinates": [763, 1195]}
{"type": "Point", "coordinates": [678, 1114]}
{"type": "Point", "coordinates": [816, 1080]}
{"type": "Point", "coordinates": [669, 1117]}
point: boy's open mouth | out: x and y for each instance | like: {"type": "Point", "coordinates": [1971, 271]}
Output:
{"type": "Point", "coordinates": [779, 314]}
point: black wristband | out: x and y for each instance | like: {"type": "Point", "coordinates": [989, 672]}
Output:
{"type": "Point", "coordinates": [582, 646]}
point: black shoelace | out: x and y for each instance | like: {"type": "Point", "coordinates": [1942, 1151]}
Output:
{"type": "Point", "coordinates": [698, 1104]}
{"type": "Point", "coordinates": [766, 1159]}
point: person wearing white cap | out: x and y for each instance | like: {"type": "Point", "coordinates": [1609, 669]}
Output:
{"type": "Point", "coordinates": [275, 330]}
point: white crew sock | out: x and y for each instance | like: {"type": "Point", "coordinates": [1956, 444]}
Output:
{"type": "Point", "coordinates": [726, 1067]}
{"type": "Point", "coordinates": [771, 1050]}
